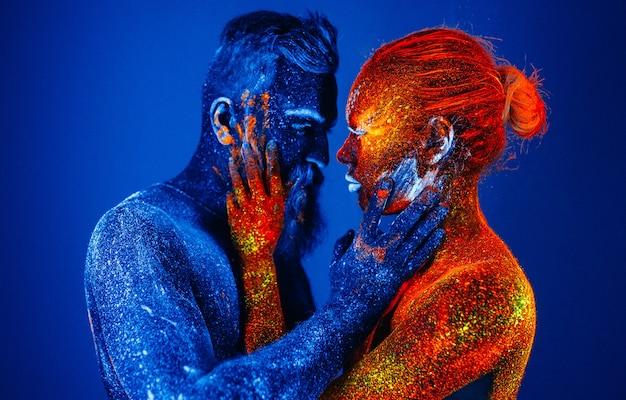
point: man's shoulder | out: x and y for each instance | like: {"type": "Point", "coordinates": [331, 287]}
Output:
{"type": "Point", "coordinates": [155, 216]}
{"type": "Point", "coordinates": [154, 224]}
{"type": "Point", "coordinates": [134, 214]}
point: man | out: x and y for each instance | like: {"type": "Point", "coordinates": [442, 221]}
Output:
{"type": "Point", "coordinates": [162, 282]}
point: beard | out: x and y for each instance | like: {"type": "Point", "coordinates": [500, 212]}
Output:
{"type": "Point", "coordinates": [303, 219]}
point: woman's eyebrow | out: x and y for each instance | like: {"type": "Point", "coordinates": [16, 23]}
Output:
{"type": "Point", "coordinates": [358, 132]}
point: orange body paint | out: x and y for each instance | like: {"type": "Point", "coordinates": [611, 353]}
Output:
{"type": "Point", "coordinates": [470, 313]}
{"type": "Point", "coordinates": [255, 215]}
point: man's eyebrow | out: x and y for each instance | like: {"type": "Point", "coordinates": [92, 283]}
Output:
{"type": "Point", "coordinates": [305, 113]}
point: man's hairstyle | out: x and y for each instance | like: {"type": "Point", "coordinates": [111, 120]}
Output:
{"type": "Point", "coordinates": [251, 46]}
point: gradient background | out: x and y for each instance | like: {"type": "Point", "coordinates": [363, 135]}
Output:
{"type": "Point", "coordinates": [100, 99]}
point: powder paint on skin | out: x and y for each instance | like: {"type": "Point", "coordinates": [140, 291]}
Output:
{"type": "Point", "coordinates": [255, 216]}
{"type": "Point", "coordinates": [468, 316]}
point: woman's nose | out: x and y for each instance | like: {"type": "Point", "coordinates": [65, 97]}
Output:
{"type": "Point", "coordinates": [347, 152]}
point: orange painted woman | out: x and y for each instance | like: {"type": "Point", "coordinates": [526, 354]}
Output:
{"type": "Point", "coordinates": [430, 112]}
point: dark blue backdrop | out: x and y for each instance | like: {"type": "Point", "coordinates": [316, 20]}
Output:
{"type": "Point", "coordinates": [99, 100]}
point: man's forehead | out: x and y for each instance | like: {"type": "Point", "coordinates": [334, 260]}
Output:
{"type": "Point", "coordinates": [304, 94]}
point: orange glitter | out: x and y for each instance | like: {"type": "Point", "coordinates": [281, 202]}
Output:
{"type": "Point", "coordinates": [255, 215]}
{"type": "Point", "coordinates": [469, 313]}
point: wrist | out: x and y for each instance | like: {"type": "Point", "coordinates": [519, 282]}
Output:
{"type": "Point", "coordinates": [358, 310]}
{"type": "Point", "coordinates": [259, 260]}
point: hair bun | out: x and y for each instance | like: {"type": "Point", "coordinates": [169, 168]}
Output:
{"type": "Point", "coordinates": [524, 109]}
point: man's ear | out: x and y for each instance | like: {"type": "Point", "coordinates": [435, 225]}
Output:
{"type": "Point", "coordinates": [222, 120]}
{"type": "Point", "coordinates": [442, 137]}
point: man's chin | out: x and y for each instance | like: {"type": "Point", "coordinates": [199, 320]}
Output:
{"type": "Point", "coordinates": [303, 218]}
{"type": "Point", "coordinates": [301, 234]}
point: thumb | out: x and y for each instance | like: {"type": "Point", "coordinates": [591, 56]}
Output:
{"type": "Point", "coordinates": [342, 244]}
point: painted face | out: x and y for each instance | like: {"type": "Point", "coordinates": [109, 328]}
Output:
{"type": "Point", "coordinates": [384, 141]}
{"type": "Point", "coordinates": [302, 109]}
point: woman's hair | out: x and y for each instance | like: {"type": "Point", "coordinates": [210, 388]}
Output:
{"type": "Point", "coordinates": [452, 74]}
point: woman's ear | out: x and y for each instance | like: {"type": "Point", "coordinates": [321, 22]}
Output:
{"type": "Point", "coordinates": [441, 137]}
{"type": "Point", "coordinates": [222, 120]}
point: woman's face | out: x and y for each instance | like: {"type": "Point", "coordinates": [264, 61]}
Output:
{"type": "Point", "coordinates": [384, 141]}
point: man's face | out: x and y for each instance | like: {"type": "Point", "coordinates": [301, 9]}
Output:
{"type": "Point", "coordinates": [383, 141]}
{"type": "Point", "coordinates": [302, 107]}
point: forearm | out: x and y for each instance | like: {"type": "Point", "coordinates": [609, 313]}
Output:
{"type": "Point", "coordinates": [263, 318]}
{"type": "Point", "coordinates": [301, 364]}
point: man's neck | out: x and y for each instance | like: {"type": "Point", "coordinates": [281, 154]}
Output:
{"type": "Point", "coordinates": [206, 181]}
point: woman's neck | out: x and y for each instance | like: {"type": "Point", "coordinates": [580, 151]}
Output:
{"type": "Point", "coordinates": [465, 219]}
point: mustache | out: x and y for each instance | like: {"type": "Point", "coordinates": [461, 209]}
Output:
{"type": "Point", "coordinates": [304, 175]}
{"type": "Point", "coordinates": [304, 181]}
{"type": "Point", "coordinates": [304, 184]}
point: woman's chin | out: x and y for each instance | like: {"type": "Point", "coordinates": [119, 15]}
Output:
{"type": "Point", "coordinates": [394, 205]}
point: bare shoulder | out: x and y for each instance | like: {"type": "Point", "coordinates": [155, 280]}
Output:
{"type": "Point", "coordinates": [489, 296]}
{"type": "Point", "coordinates": [493, 295]}
{"type": "Point", "coordinates": [147, 231]}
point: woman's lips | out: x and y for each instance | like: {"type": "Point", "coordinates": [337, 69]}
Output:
{"type": "Point", "coordinates": [353, 184]}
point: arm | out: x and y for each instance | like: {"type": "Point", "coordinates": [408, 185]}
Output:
{"type": "Point", "coordinates": [153, 339]}
{"type": "Point", "coordinates": [151, 336]}
{"type": "Point", "coordinates": [472, 321]}
{"type": "Point", "coordinates": [366, 273]}
{"type": "Point", "coordinates": [255, 216]}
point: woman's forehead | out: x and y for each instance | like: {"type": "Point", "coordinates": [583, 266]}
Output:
{"type": "Point", "coordinates": [379, 103]}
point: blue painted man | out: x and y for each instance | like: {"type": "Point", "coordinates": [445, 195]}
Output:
{"type": "Point", "coordinates": [163, 280]}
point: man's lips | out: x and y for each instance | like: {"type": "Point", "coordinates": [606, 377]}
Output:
{"type": "Point", "coordinates": [353, 184]}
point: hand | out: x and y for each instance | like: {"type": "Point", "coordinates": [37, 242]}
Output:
{"type": "Point", "coordinates": [255, 215]}
{"type": "Point", "coordinates": [371, 267]}
{"type": "Point", "coordinates": [256, 207]}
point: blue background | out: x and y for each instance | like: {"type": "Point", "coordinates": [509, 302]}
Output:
{"type": "Point", "coordinates": [100, 99]}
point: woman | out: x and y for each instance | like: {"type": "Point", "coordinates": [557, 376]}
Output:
{"type": "Point", "coordinates": [429, 110]}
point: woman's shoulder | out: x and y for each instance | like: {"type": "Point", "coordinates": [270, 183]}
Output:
{"type": "Point", "coordinates": [496, 287]}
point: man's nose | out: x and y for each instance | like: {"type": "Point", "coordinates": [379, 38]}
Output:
{"type": "Point", "coordinates": [319, 151]}
{"type": "Point", "coordinates": [347, 152]}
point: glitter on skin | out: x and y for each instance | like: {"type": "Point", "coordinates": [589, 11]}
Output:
{"type": "Point", "coordinates": [256, 218]}
{"type": "Point", "coordinates": [468, 315]}
{"type": "Point", "coordinates": [168, 247]}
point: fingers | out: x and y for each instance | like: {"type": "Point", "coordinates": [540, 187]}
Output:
{"type": "Point", "coordinates": [419, 234]}
{"type": "Point", "coordinates": [261, 167]}
{"type": "Point", "coordinates": [403, 223]}
{"type": "Point", "coordinates": [231, 207]}
{"type": "Point", "coordinates": [255, 178]}
{"type": "Point", "coordinates": [273, 170]}
{"type": "Point", "coordinates": [240, 191]}
{"type": "Point", "coordinates": [371, 218]}
{"type": "Point", "coordinates": [419, 257]}
{"type": "Point", "coordinates": [252, 167]}
{"type": "Point", "coordinates": [255, 121]}
{"type": "Point", "coordinates": [250, 129]}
